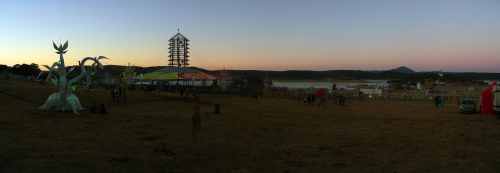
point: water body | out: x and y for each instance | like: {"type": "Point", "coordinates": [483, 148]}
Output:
{"type": "Point", "coordinates": [328, 85]}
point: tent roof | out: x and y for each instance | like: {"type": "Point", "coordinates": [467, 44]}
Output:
{"type": "Point", "coordinates": [164, 75]}
{"type": "Point", "coordinates": [172, 69]}
{"type": "Point", "coordinates": [159, 75]}
{"type": "Point", "coordinates": [197, 76]}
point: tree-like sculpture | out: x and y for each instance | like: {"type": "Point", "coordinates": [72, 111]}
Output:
{"type": "Point", "coordinates": [64, 99]}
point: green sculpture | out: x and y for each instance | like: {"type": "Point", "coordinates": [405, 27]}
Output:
{"type": "Point", "coordinates": [65, 99]}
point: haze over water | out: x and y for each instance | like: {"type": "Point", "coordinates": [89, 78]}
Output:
{"type": "Point", "coordinates": [450, 35]}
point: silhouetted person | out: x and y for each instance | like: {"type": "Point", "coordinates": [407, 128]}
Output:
{"type": "Point", "coordinates": [312, 99]}
{"type": "Point", "coordinates": [93, 108]}
{"type": "Point", "coordinates": [342, 100]}
{"type": "Point", "coordinates": [196, 122]}
{"type": "Point", "coordinates": [182, 90]}
{"type": "Point", "coordinates": [309, 99]}
{"type": "Point", "coordinates": [217, 108]}
{"type": "Point", "coordinates": [321, 94]}
{"type": "Point", "coordinates": [436, 101]}
{"type": "Point", "coordinates": [102, 109]}
{"type": "Point", "coordinates": [123, 94]}
{"type": "Point", "coordinates": [115, 94]}
{"type": "Point", "coordinates": [441, 101]}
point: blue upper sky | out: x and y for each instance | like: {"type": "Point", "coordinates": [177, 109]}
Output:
{"type": "Point", "coordinates": [451, 35]}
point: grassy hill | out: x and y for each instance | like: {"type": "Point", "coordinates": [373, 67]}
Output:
{"type": "Point", "coordinates": [403, 73]}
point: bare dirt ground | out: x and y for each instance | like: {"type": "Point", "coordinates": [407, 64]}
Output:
{"type": "Point", "coordinates": [152, 133]}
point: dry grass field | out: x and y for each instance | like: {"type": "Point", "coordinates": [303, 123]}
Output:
{"type": "Point", "coordinates": [152, 133]}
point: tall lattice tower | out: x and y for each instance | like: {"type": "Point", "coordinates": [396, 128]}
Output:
{"type": "Point", "coordinates": [178, 49]}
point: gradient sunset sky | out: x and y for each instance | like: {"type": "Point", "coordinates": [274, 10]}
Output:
{"type": "Point", "coordinates": [450, 35]}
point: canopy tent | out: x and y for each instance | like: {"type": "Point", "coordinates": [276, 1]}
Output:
{"type": "Point", "coordinates": [172, 69]}
{"type": "Point", "coordinates": [160, 75]}
{"type": "Point", "coordinates": [196, 76]}
{"type": "Point", "coordinates": [487, 100]}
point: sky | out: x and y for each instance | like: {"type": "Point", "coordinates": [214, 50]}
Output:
{"type": "Point", "coordinates": [425, 35]}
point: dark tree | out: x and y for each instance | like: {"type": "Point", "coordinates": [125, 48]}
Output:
{"type": "Point", "coordinates": [4, 68]}
{"type": "Point", "coordinates": [25, 69]}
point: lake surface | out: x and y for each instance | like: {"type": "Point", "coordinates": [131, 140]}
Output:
{"type": "Point", "coordinates": [329, 85]}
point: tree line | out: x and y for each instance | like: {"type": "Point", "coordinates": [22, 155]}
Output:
{"type": "Point", "coordinates": [21, 69]}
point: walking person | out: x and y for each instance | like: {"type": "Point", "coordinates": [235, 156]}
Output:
{"type": "Point", "coordinates": [342, 100]}
{"type": "Point", "coordinates": [441, 102]}
{"type": "Point", "coordinates": [112, 93]}
{"type": "Point", "coordinates": [436, 101]}
{"type": "Point", "coordinates": [115, 94]}
{"type": "Point", "coordinates": [123, 92]}
{"type": "Point", "coordinates": [321, 95]}
{"type": "Point", "coordinates": [196, 120]}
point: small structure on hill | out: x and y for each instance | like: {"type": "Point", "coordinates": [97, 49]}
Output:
{"type": "Point", "coordinates": [178, 72]}
{"type": "Point", "coordinates": [182, 76]}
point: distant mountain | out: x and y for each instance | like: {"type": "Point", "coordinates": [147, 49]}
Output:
{"type": "Point", "coordinates": [402, 69]}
